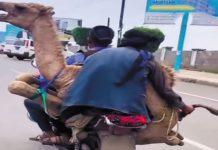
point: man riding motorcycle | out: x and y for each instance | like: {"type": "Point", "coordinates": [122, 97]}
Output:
{"type": "Point", "coordinates": [99, 37]}
{"type": "Point", "coordinates": [112, 85]}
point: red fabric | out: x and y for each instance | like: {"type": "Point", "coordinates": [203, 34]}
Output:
{"type": "Point", "coordinates": [128, 121]}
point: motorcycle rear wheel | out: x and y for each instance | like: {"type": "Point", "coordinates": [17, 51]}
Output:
{"type": "Point", "coordinates": [83, 147]}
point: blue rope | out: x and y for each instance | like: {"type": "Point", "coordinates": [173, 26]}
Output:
{"type": "Point", "coordinates": [51, 81]}
{"type": "Point", "coordinates": [42, 91]}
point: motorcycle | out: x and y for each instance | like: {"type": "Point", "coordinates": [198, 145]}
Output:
{"type": "Point", "coordinates": [87, 135]}
{"type": "Point", "coordinates": [88, 138]}
{"type": "Point", "coordinates": [86, 132]}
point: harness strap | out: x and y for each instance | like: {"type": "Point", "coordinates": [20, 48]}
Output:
{"type": "Point", "coordinates": [42, 91]}
{"type": "Point", "coordinates": [43, 94]}
{"type": "Point", "coordinates": [44, 99]}
{"type": "Point", "coordinates": [51, 81]}
{"type": "Point", "coordinates": [146, 56]}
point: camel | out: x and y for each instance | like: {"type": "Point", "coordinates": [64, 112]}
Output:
{"type": "Point", "coordinates": [37, 19]}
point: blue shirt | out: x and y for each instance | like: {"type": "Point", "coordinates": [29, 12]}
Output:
{"type": "Point", "coordinates": [78, 58]}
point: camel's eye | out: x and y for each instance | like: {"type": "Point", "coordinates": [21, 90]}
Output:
{"type": "Point", "coordinates": [20, 8]}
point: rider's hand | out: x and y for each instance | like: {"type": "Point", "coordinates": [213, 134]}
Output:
{"type": "Point", "coordinates": [186, 109]}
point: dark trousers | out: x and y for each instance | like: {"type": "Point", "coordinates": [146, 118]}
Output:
{"type": "Point", "coordinates": [46, 123]}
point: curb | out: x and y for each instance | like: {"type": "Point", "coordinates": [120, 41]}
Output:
{"type": "Point", "coordinates": [192, 80]}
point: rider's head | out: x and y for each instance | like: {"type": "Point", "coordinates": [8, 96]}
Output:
{"type": "Point", "coordinates": [142, 38]}
{"type": "Point", "coordinates": [100, 36]}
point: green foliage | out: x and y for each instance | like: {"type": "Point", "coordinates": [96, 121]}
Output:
{"type": "Point", "coordinates": [157, 37]}
{"type": "Point", "coordinates": [80, 35]}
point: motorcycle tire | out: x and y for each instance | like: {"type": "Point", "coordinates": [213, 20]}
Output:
{"type": "Point", "coordinates": [92, 142]}
{"type": "Point", "coordinates": [71, 147]}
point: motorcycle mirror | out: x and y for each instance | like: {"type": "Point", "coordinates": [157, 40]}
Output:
{"type": "Point", "coordinates": [33, 63]}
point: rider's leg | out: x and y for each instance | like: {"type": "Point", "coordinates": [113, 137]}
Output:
{"type": "Point", "coordinates": [38, 115]}
{"type": "Point", "coordinates": [60, 126]}
{"type": "Point", "coordinates": [116, 142]}
{"type": "Point", "coordinates": [26, 90]}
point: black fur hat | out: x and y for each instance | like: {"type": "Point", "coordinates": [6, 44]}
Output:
{"type": "Point", "coordinates": [143, 38]}
{"type": "Point", "coordinates": [102, 35]}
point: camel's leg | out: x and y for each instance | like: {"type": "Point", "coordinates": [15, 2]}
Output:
{"type": "Point", "coordinates": [22, 88]}
{"type": "Point", "coordinates": [28, 78]}
{"type": "Point", "coordinates": [173, 140]}
{"type": "Point", "coordinates": [32, 81]}
{"type": "Point", "coordinates": [25, 90]}
{"type": "Point", "coordinates": [157, 133]}
{"type": "Point", "coordinates": [177, 134]}
{"type": "Point", "coordinates": [153, 133]}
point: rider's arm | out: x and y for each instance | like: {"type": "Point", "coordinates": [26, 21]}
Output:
{"type": "Point", "coordinates": [78, 58]}
{"type": "Point", "coordinates": [158, 80]}
{"type": "Point", "coordinates": [70, 60]}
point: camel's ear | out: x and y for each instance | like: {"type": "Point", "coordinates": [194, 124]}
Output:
{"type": "Point", "coordinates": [48, 10]}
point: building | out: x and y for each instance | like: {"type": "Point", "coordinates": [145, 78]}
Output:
{"type": "Point", "coordinates": [201, 6]}
{"type": "Point", "coordinates": [67, 23]}
{"type": "Point", "coordinates": [11, 31]}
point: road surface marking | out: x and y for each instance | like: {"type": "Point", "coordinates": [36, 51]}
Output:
{"type": "Point", "coordinates": [202, 97]}
{"type": "Point", "coordinates": [196, 144]}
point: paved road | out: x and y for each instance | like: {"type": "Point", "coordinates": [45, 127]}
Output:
{"type": "Point", "coordinates": [200, 129]}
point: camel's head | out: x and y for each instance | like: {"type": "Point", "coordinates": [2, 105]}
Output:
{"type": "Point", "coordinates": [23, 14]}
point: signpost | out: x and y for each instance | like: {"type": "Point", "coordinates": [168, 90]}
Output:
{"type": "Point", "coordinates": [182, 6]}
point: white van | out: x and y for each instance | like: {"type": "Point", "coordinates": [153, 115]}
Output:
{"type": "Point", "coordinates": [20, 48]}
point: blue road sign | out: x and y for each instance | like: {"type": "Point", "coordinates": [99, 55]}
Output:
{"type": "Point", "coordinates": [185, 6]}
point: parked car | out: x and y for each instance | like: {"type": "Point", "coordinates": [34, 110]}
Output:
{"type": "Point", "coordinates": [20, 48]}
{"type": "Point", "coordinates": [72, 47]}
{"type": "Point", "coordinates": [2, 45]}
{"type": "Point", "coordinates": [7, 50]}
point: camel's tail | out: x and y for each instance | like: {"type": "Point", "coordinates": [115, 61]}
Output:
{"type": "Point", "coordinates": [210, 109]}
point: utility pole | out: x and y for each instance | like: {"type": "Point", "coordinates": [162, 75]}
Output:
{"type": "Point", "coordinates": [108, 21]}
{"type": "Point", "coordinates": [121, 22]}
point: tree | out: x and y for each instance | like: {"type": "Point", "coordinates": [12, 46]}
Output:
{"type": "Point", "coordinates": [80, 35]}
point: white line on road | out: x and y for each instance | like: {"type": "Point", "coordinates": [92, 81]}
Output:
{"type": "Point", "coordinates": [202, 97]}
{"type": "Point", "coordinates": [196, 144]}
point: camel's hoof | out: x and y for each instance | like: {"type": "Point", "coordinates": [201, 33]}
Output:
{"type": "Point", "coordinates": [180, 136]}
{"type": "Point", "coordinates": [173, 140]}
{"type": "Point", "coordinates": [181, 143]}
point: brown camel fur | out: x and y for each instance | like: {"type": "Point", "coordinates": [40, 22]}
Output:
{"type": "Point", "coordinates": [37, 19]}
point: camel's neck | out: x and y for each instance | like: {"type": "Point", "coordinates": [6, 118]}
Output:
{"type": "Point", "coordinates": [48, 49]}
